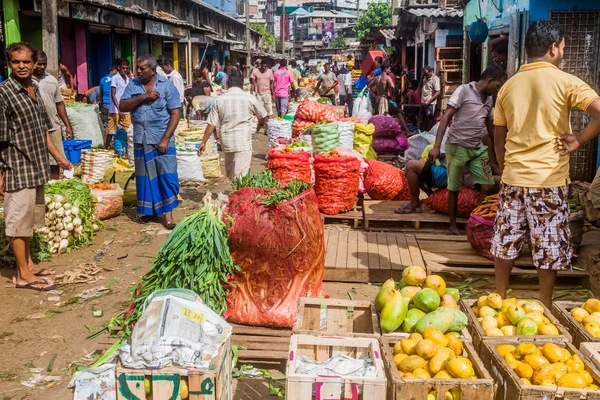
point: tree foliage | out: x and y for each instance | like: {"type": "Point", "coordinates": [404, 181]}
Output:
{"type": "Point", "coordinates": [267, 38]}
{"type": "Point", "coordinates": [339, 43]}
{"type": "Point", "coordinates": [377, 15]}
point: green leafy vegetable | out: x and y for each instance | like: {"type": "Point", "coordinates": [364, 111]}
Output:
{"type": "Point", "coordinates": [263, 180]}
{"type": "Point", "coordinates": [291, 190]}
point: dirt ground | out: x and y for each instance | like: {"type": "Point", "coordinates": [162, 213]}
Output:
{"type": "Point", "coordinates": [35, 327]}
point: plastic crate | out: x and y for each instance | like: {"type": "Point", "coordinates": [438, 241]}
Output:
{"type": "Point", "coordinates": [73, 149]}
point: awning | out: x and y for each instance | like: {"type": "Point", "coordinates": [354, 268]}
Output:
{"type": "Point", "coordinates": [206, 27]}
{"type": "Point", "coordinates": [388, 35]}
{"type": "Point", "coordinates": [223, 40]}
{"type": "Point", "coordinates": [435, 12]}
{"type": "Point", "coordinates": [231, 36]}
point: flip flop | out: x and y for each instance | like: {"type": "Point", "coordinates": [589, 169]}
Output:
{"type": "Point", "coordinates": [41, 272]}
{"type": "Point", "coordinates": [408, 209]}
{"type": "Point", "coordinates": [31, 285]}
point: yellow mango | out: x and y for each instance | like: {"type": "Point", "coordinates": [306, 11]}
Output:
{"type": "Point", "coordinates": [511, 361]}
{"type": "Point", "coordinates": [553, 353]}
{"type": "Point", "coordinates": [505, 348]}
{"type": "Point", "coordinates": [592, 328]}
{"type": "Point", "coordinates": [593, 317]}
{"type": "Point", "coordinates": [548, 330]}
{"type": "Point", "coordinates": [475, 311]}
{"type": "Point", "coordinates": [421, 373]}
{"type": "Point", "coordinates": [488, 323]}
{"type": "Point", "coordinates": [508, 302]}
{"type": "Point", "coordinates": [536, 317]}
{"type": "Point", "coordinates": [589, 305]}
{"type": "Point", "coordinates": [426, 348]}
{"type": "Point", "coordinates": [494, 332]}
{"type": "Point", "coordinates": [409, 346]}
{"type": "Point", "coordinates": [494, 300]}
{"type": "Point", "coordinates": [575, 364]}
{"type": "Point", "coordinates": [398, 358]}
{"type": "Point", "coordinates": [586, 375]}
{"type": "Point", "coordinates": [579, 314]}
{"type": "Point", "coordinates": [454, 344]}
{"type": "Point", "coordinates": [482, 301]}
{"type": "Point", "coordinates": [411, 363]}
{"type": "Point", "coordinates": [525, 381]}
{"type": "Point", "coordinates": [592, 387]}
{"type": "Point", "coordinates": [572, 380]}
{"type": "Point", "coordinates": [533, 306]}
{"type": "Point", "coordinates": [442, 375]}
{"type": "Point", "coordinates": [535, 361]}
{"type": "Point", "coordinates": [416, 336]}
{"type": "Point", "coordinates": [525, 349]}
{"type": "Point", "coordinates": [509, 330]}
{"type": "Point", "coordinates": [436, 336]}
{"type": "Point", "coordinates": [398, 348]}
{"type": "Point", "coordinates": [502, 319]}
{"type": "Point", "coordinates": [543, 373]}
{"type": "Point", "coordinates": [524, 370]}
{"type": "Point", "coordinates": [460, 367]}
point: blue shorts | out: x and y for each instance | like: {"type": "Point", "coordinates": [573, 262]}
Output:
{"type": "Point", "coordinates": [440, 176]}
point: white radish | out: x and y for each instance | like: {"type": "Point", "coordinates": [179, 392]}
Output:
{"type": "Point", "coordinates": [79, 229]}
{"type": "Point", "coordinates": [52, 250]}
{"type": "Point", "coordinates": [69, 227]}
{"type": "Point", "coordinates": [66, 206]}
{"type": "Point", "coordinates": [59, 226]}
{"type": "Point", "coordinates": [67, 219]}
{"type": "Point", "coordinates": [58, 198]}
{"type": "Point", "coordinates": [64, 234]}
{"type": "Point", "coordinates": [56, 238]}
{"type": "Point", "coordinates": [96, 227]}
{"type": "Point", "coordinates": [60, 212]}
{"type": "Point", "coordinates": [50, 235]}
{"type": "Point", "coordinates": [62, 247]}
{"type": "Point", "coordinates": [51, 206]}
{"type": "Point", "coordinates": [76, 222]}
{"type": "Point", "coordinates": [47, 200]}
{"type": "Point", "coordinates": [75, 210]}
{"type": "Point", "coordinates": [67, 212]}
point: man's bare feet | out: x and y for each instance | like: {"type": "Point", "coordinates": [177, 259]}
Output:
{"type": "Point", "coordinates": [408, 209]}
{"type": "Point", "coordinates": [454, 232]}
{"type": "Point", "coordinates": [39, 285]}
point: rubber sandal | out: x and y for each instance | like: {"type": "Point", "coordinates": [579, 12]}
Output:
{"type": "Point", "coordinates": [408, 210]}
{"type": "Point", "coordinates": [41, 272]}
{"type": "Point", "coordinates": [31, 285]}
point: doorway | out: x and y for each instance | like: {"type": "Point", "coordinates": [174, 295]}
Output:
{"type": "Point", "coordinates": [101, 57]}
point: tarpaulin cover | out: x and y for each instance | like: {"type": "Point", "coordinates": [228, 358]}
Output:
{"type": "Point", "coordinates": [480, 231]}
{"type": "Point", "coordinates": [386, 182]}
{"type": "Point", "coordinates": [281, 251]}
{"type": "Point", "coordinates": [287, 167]}
{"type": "Point", "coordinates": [467, 201]}
{"type": "Point", "coordinates": [336, 183]}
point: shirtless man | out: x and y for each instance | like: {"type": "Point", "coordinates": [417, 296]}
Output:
{"type": "Point", "coordinates": [384, 87]}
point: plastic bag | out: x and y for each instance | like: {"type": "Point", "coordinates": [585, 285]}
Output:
{"type": "Point", "coordinates": [110, 202]}
{"type": "Point", "coordinates": [94, 164]}
{"type": "Point", "coordinates": [289, 165]}
{"type": "Point", "coordinates": [385, 123]}
{"type": "Point", "coordinates": [325, 137]}
{"type": "Point", "coordinates": [210, 166]}
{"type": "Point", "coordinates": [386, 182]}
{"type": "Point", "coordinates": [189, 166]}
{"type": "Point", "coordinates": [346, 130]}
{"type": "Point", "coordinates": [281, 251]}
{"type": "Point", "coordinates": [467, 201]}
{"type": "Point", "coordinates": [362, 106]}
{"type": "Point", "coordinates": [363, 165]}
{"type": "Point", "coordinates": [86, 123]}
{"type": "Point", "coordinates": [363, 140]}
{"type": "Point", "coordinates": [480, 231]}
{"type": "Point", "coordinates": [123, 173]}
{"type": "Point", "coordinates": [336, 182]}
{"type": "Point", "coordinates": [278, 129]}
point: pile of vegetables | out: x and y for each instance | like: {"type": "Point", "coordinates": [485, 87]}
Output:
{"type": "Point", "coordinates": [324, 100]}
{"type": "Point", "coordinates": [262, 180]}
{"type": "Point", "coordinates": [291, 190]}
{"type": "Point", "coordinates": [488, 207]}
{"type": "Point", "coordinates": [195, 256]}
{"type": "Point", "coordinates": [70, 221]}
{"type": "Point", "coordinates": [310, 113]}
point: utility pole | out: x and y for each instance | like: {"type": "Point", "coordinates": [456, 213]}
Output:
{"type": "Point", "coordinates": [248, 39]}
{"type": "Point", "coordinates": [286, 31]}
{"type": "Point", "coordinates": [357, 9]}
{"type": "Point", "coordinates": [50, 35]}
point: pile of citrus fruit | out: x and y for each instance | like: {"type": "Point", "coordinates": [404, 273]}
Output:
{"type": "Point", "coordinates": [547, 365]}
{"type": "Point", "coordinates": [589, 316]}
{"type": "Point", "coordinates": [432, 355]}
{"type": "Point", "coordinates": [512, 317]}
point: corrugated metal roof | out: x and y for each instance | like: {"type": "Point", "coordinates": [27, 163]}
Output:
{"type": "Point", "coordinates": [435, 12]}
{"type": "Point", "coordinates": [388, 34]}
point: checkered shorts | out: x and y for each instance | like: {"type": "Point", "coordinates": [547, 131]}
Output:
{"type": "Point", "coordinates": [542, 216]}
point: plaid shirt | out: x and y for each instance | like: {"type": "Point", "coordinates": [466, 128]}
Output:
{"type": "Point", "coordinates": [23, 141]}
{"type": "Point", "coordinates": [232, 115]}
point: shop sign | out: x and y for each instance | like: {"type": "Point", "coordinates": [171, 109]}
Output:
{"type": "Point", "coordinates": [84, 12]}
{"type": "Point", "coordinates": [132, 23]}
{"type": "Point", "coordinates": [158, 28]}
{"type": "Point", "coordinates": [178, 31]}
{"type": "Point", "coordinates": [62, 8]}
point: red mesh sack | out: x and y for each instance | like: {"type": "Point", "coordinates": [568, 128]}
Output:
{"type": "Point", "coordinates": [289, 165]}
{"type": "Point", "coordinates": [336, 182]}
{"type": "Point", "coordinates": [386, 182]}
{"type": "Point", "coordinates": [480, 231]}
{"type": "Point", "coordinates": [467, 201]}
{"type": "Point", "coordinates": [281, 251]}
{"type": "Point", "coordinates": [300, 126]}
{"type": "Point", "coordinates": [242, 199]}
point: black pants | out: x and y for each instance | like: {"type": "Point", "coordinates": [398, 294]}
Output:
{"type": "Point", "coordinates": [349, 100]}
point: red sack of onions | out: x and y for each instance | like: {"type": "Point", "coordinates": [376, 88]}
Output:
{"type": "Point", "coordinates": [287, 165]}
{"type": "Point", "coordinates": [336, 182]}
{"type": "Point", "coordinates": [467, 201]}
{"type": "Point", "coordinates": [386, 182]}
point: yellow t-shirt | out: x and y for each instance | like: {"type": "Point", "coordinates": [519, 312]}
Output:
{"type": "Point", "coordinates": [535, 105]}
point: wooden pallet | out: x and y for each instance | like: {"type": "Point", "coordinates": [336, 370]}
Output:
{"type": "Point", "coordinates": [261, 344]}
{"type": "Point", "coordinates": [355, 217]}
{"type": "Point", "coordinates": [356, 256]}
{"type": "Point", "coordinates": [454, 254]}
{"type": "Point", "coordinates": [380, 215]}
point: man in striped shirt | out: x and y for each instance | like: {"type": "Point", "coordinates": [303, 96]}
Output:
{"type": "Point", "coordinates": [232, 118]}
{"type": "Point", "coordinates": [24, 165]}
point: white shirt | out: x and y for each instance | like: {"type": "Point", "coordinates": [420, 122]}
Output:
{"type": "Point", "coordinates": [177, 80]}
{"type": "Point", "coordinates": [119, 83]}
{"type": "Point", "coordinates": [345, 81]}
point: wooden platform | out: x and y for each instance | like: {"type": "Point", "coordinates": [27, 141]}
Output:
{"type": "Point", "coordinates": [380, 215]}
{"type": "Point", "coordinates": [354, 217]}
{"type": "Point", "coordinates": [356, 256]}
{"type": "Point", "coordinates": [261, 344]}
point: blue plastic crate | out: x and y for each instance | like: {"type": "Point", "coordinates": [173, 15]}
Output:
{"type": "Point", "coordinates": [73, 149]}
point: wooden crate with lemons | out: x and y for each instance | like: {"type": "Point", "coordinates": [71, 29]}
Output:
{"type": "Point", "coordinates": [493, 319]}
{"type": "Point", "coordinates": [426, 346]}
{"type": "Point", "coordinates": [541, 370]}
{"type": "Point", "coordinates": [582, 320]}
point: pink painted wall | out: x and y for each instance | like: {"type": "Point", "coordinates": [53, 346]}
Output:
{"type": "Point", "coordinates": [73, 50]}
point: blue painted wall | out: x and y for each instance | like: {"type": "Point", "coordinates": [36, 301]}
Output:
{"type": "Point", "coordinates": [497, 12]}
{"type": "Point", "coordinates": [540, 9]}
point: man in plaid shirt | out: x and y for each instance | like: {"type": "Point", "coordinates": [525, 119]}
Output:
{"type": "Point", "coordinates": [24, 164]}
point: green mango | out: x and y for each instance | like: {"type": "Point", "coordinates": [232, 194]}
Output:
{"type": "Point", "coordinates": [383, 296]}
{"type": "Point", "coordinates": [439, 319]}
{"type": "Point", "coordinates": [412, 317]}
{"type": "Point", "coordinates": [393, 313]}
{"type": "Point", "coordinates": [427, 300]}
{"type": "Point", "coordinates": [454, 293]}
{"type": "Point", "coordinates": [460, 319]}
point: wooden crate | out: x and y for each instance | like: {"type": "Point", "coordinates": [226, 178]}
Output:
{"type": "Point", "coordinates": [591, 350]}
{"type": "Point", "coordinates": [261, 344]}
{"type": "Point", "coordinates": [479, 337]}
{"type": "Point", "coordinates": [510, 387]}
{"type": "Point", "coordinates": [417, 389]}
{"type": "Point", "coordinates": [562, 311]}
{"type": "Point", "coordinates": [214, 382]}
{"type": "Point", "coordinates": [353, 318]}
{"type": "Point", "coordinates": [321, 348]}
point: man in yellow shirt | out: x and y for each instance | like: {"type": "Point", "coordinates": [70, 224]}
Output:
{"type": "Point", "coordinates": [532, 141]}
